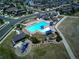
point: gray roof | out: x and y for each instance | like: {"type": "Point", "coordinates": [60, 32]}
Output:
{"type": "Point", "coordinates": [11, 9]}
{"type": "Point", "coordinates": [18, 37]}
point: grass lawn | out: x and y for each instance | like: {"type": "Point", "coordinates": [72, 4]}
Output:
{"type": "Point", "coordinates": [70, 29]}
{"type": "Point", "coordinates": [49, 51]}
{"type": "Point", "coordinates": [76, 14]}
{"type": "Point", "coordinates": [76, 0]}
{"type": "Point", "coordinates": [1, 23]}
{"type": "Point", "coordinates": [45, 51]}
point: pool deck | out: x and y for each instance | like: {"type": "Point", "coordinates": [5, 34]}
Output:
{"type": "Point", "coordinates": [36, 27]}
{"type": "Point", "coordinates": [35, 21]}
{"type": "Point", "coordinates": [28, 24]}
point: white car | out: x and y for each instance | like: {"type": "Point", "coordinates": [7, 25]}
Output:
{"type": "Point", "coordinates": [36, 12]}
{"type": "Point", "coordinates": [6, 15]}
{"type": "Point", "coordinates": [7, 22]}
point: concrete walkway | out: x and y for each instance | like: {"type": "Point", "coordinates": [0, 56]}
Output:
{"type": "Point", "coordinates": [70, 52]}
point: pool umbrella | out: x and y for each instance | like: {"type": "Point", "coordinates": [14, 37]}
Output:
{"type": "Point", "coordinates": [25, 46]}
{"type": "Point", "coordinates": [42, 27]}
{"type": "Point", "coordinates": [48, 32]}
{"type": "Point", "coordinates": [51, 24]}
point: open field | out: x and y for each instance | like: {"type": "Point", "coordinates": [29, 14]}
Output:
{"type": "Point", "coordinates": [70, 29]}
{"type": "Point", "coordinates": [6, 48]}
{"type": "Point", "coordinates": [76, 14]}
{"type": "Point", "coordinates": [1, 23]}
{"type": "Point", "coordinates": [49, 51]}
{"type": "Point", "coordinates": [45, 51]}
{"type": "Point", "coordinates": [76, 0]}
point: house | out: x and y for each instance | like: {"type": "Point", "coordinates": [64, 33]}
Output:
{"type": "Point", "coordinates": [14, 11]}
{"type": "Point", "coordinates": [49, 3]}
{"type": "Point", "coordinates": [20, 12]}
{"type": "Point", "coordinates": [1, 6]}
{"type": "Point", "coordinates": [65, 9]}
{"type": "Point", "coordinates": [11, 9]}
{"type": "Point", "coordinates": [75, 6]}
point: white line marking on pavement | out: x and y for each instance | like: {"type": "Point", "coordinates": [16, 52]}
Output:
{"type": "Point", "coordinates": [3, 26]}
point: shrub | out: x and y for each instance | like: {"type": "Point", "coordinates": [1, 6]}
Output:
{"type": "Point", "coordinates": [34, 40]}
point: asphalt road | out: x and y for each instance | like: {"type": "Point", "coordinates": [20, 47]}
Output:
{"type": "Point", "coordinates": [5, 30]}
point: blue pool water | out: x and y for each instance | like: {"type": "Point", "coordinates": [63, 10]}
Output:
{"type": "Point", "coordinates": [36, 27]}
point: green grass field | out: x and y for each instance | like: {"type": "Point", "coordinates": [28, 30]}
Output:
{"type": "Point", "coordinates": [70, 29]}
{"type": "Point", "coordinates": [47, 51]}
{"type": "Point", "coordinates": [76, 0]}
{"type": "Point", "coordinates": [76, 14]}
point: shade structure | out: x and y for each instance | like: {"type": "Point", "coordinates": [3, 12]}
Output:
{"type": "Point", "coordinates": [18, 37]}
{"type": "Point", "coordinates": [51, 24]}
{"type": "Point", "coordinates": [24, 47]}
{"type": "Point", "coordinates": [42, 27]}
{"type": "Point", "coordinates": [48, 32]}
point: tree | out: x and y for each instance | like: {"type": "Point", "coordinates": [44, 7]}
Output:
{"type": "Point", "coordinates": [39, 36]}
{"type": "Point", "coordinates": [46, 18]}
{"type": "Point", "coordinates": [44, 1]}
{"type": "Point", "coordinates": [1, 21]}
{"type": "Point", "coordinates": [30, 12]}
{"type": "Point", "coordinates": [61, 12]}
{"type": "Point", "coordinates": [34, 40]}
{"type": "Point", "coordinates": [58, 39]}
{"type": "Point", "coordinates": [27, 36]}
{"type": "Point", "coordinates": [52, 36]}
{"type": "Point", "coordinates": [43, 9]}
{"type": "Point", "coordinates": [19, 26]}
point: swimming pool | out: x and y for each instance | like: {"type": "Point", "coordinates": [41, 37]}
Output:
{"type": "Point", "coordinates": [36, 27]}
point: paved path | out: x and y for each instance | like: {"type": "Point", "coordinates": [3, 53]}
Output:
{"type": "Point", "coordinates": [70, 52]}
